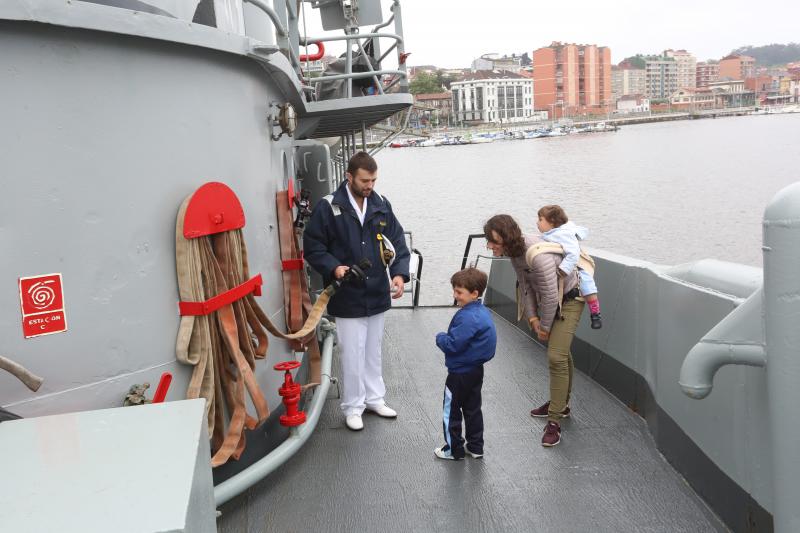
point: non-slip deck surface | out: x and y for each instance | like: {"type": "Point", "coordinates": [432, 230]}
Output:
{"type": "Point", "coordinates": [606, 475]}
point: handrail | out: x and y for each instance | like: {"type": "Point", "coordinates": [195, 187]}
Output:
{"type": "Point", "coordinates": [285, 19]}
{"type": "Point", "coordinates": [273, 15]}
{"type": "Point", "coordinates": [352, 76]}
{"type": "Point", "coordinates": [379, 26]}
{"type": "Point", "coordinates": [308, 40]}
{"type": "Point", "coordinates": [466, 251]}
{"type": "Point", "coordinates": [297, 435]}
{"type": "Point", "coordinates": [468, 246]}
{"type": "Point", "coordinates": [415, 299]}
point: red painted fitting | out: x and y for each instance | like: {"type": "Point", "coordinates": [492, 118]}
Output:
{"type": "Point", "coordinates": [163, 387]}
{"type": "Point", "coordinates": [314, 57]}
{"type": "Point", "coordinates": [290, 392]}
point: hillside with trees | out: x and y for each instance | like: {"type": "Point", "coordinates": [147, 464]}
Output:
{"type": "Point", "coordinates": [771, 54]}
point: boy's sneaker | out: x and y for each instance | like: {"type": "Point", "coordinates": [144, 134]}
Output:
{"type": "Point", "coordinates": [443, 452]}
{"type": "Point", "coordinates": [552, 434]}
{"type": "Point", "coordinates": [597, 321]}
{"type": "Point", "coordinates": [541, 412]}
{"type": "Point", "coordinates": [472, 454]}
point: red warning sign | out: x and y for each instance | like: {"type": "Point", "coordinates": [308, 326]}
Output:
{"type": "Point", "coordinates": [42, 301]}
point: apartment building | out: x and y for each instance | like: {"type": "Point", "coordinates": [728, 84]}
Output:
{"type": "Point", "coordinates": [687, 67]}
{"type": "Point", "coordinates": [572, 79]}
{"type": "Point", "coordinates": [661, 77]}
{"type": "Point", "coordinates": [496, 62]}
{"type": "Point", "coordinates": [706, 73]}
{"type": "Point", "coordinates": [736, 67]}
{"type": "Point", "coordinates": [626, 80]}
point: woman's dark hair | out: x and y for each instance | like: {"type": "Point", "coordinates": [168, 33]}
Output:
{"type": "Point", "coordinates": [508, 230]}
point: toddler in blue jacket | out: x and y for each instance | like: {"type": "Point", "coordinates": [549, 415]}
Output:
{"type": "Point", "coordinates": [470, 341]}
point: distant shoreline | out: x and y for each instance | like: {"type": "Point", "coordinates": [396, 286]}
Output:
{"type": "Point", "coordinates": [618, 120]}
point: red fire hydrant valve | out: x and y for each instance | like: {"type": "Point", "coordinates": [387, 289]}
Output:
{"type": "Point", "coordinates": [290, 392]}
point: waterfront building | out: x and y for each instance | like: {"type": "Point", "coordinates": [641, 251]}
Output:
{"type": "Point", "coordinates": [794, 88]}
{"type": "Point", "coordinates": [689, 99]}
{"type": "Point", "coordinates": [706, 73]}
{"type": "Point", "coordinates": [661, 77]}
{"type": "Point", "coordinates": [627, 80]}
{"type": "Point", "coordinates": [732, 93]}
{"type": "Point", "coordinates": [492, 97]}
{"type": "Point", "coordinates": [572, 79]}
{"type": "Point", "coordinates": [736, 67]}
{"type": "Point", "coordinates": [687, 67]}
{"type": "Point", "coordinates": [633, 103]}
{"type": "Point", "coordinates": [762, 86]}
{"type": "Point", "coordinates": [496, 62]}
{"type": "Point", "coordinates": [434, 108]}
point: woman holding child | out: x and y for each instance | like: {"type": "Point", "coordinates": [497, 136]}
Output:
{"type": "Point", "coordinates": [552, 320]}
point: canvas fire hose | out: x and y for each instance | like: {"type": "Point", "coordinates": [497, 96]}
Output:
{"type": "Point", "coordinates": [222, 328]}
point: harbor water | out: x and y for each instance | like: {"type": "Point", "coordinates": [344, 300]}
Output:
{"type": "Point", "coordinates": [668, 193]}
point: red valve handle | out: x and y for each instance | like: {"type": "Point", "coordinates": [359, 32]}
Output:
{"type": "Point", "coordinates": [163, 387]}
{"type": "Point", "coordinates": [287, 365]}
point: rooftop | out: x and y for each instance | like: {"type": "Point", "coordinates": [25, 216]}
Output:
{"type": "Point", "coordinates": [492, 75]}
{"type": "Point", "coordinates": [433, 96]}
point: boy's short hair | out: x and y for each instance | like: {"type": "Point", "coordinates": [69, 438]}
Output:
{"type": "Point", "coordinates": [471, 279]}
{"type": "Point", "coordinates": [361, 160]}
{"type": "Point", "coordinates": [554, 215]}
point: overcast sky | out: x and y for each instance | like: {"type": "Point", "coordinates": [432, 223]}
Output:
{"type": "Point", "coordinates": [451, 33]}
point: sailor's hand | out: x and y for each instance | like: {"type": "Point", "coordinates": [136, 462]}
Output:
{"type": "Point", "coordinates": [397, 287]}
{"type": "Point", "coordinates": [340, 271]}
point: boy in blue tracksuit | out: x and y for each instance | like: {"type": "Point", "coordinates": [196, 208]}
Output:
{"type": "Point", "coordinates": [470, 341]}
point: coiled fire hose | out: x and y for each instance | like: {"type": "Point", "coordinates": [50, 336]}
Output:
{"type": "Point", "coordinates": [223, 346]}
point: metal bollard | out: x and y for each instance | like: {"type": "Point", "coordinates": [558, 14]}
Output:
{"type": "Point", "coordinates": [781, 313]}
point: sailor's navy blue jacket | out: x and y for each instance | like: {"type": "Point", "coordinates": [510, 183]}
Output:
{"type": "Point", "coordinates": [334, 236]}
{"type": "Point", "coordinates": [470, 340]}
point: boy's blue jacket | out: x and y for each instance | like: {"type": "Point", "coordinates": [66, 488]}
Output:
{"type": "Point", "coordinates": [470, 340]}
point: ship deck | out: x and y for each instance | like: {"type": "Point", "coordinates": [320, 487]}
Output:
{"type": "Point", "coordinates": [606, 475]}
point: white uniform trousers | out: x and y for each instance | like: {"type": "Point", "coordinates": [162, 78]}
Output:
{"type": "Point", "coordinates": [360, 353]}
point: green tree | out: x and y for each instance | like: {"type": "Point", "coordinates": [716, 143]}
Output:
{"type": "Point", "coordinates": [637, 61]}
{"type": "Point", "coordinates": [424, 83]}
{"type": "Point", "coordinates": [771, 54]}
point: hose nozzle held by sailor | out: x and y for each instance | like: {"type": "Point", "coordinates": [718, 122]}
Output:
{"type": "Point", "coordinates": [355, 275]}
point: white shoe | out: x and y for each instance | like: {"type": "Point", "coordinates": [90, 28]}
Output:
{"type": "Point", "coordinates": [383, 410]}
{"type": "Point", "coordinates": [441, 453]}
{"type": "Point", "coordinates": [354, 422]}
{"type": "Point", "coordinates": [472, 454]}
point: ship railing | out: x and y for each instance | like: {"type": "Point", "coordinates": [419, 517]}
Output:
{"type": "Point", "coordinates": [284, 17]}
{"type": "Point", "coordinates": [398, 76]}
{"type": "Point", "coordinates": [415, 270]}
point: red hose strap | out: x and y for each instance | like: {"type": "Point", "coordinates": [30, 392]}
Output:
{"type": "Point", "coordinates": [228, 297]}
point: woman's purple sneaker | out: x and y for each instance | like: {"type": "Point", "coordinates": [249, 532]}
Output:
{"type": "Point", "coordinates": [541, 412]}
{"type": "Point", "coordinates": [552, 434]}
